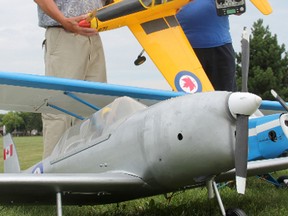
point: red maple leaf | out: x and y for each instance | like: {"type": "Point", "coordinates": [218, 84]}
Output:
{"type": "Point", "coordinates": [188, 83]}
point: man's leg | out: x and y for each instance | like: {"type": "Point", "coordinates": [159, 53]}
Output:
{"type": "Point", "coordinates": [96, 70]}
{"type": "Point", "coordinates": [226, 67]}
{"type": "Point", "coordinates": [66, 56]}
{"type": "Point", "coordinates": [53, 128]}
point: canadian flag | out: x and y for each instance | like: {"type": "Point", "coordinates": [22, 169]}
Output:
{"type": "Point", "coordinates": [8, 152]}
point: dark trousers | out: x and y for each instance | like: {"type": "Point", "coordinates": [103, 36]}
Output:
{"type": "Point", "coordinates": [219, 65]}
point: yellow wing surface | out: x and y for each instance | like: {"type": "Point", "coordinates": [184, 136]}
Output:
{"type": "Point", "coordinates": [154, 25]}
{"type": "Point", "coordinates": [263, 6]}
{"type": "Point", "coordinates": [164, 41]}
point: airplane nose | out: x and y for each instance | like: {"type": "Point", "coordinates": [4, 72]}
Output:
{"type": "Point", "coordinates": [243, 103]}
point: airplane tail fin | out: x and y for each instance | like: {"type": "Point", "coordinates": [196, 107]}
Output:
{"type": "Point", "coordinates": [263, 6]}
{"type": "Point", "coordinates": [11, 162]}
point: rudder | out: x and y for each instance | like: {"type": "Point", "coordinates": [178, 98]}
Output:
{"type": "Point", "coordinates": [11, 161]}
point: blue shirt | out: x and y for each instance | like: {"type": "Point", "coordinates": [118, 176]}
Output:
{"type": "Point", "coordinates": [202, 26]}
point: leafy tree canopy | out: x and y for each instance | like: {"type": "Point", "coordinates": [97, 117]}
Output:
{"type": "Point", "coordinates": [12, 121]}
{"type": "Point", "coordinates": [21, 121]}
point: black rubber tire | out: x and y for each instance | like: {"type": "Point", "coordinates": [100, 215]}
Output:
{"type": "Point", "coordinates": [235, 212]}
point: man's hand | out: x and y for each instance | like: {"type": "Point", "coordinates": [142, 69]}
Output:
{"type": "Point", "coordinates": [72, 25]}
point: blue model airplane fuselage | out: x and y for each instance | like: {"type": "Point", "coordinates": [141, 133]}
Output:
{"type": "Point", "coordinates": [266, 136]}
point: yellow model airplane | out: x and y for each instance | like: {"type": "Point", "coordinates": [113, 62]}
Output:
{"type": "Point", "coordinates": [155, 26]}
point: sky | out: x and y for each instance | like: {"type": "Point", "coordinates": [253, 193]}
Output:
{"type": "Point", "coordinates": [21, 39]}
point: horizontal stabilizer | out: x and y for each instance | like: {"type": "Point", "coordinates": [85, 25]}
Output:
{"type": "Point", "coordinates": [258, 167]}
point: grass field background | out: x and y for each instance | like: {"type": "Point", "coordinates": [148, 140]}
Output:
{"type": "Point", "coordinates": [261, 198]}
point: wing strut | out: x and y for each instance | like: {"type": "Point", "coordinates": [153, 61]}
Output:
{"type": "Point", "coordinates": [75, 97]}
{"type": "Point", "coordinates": [65, 111]}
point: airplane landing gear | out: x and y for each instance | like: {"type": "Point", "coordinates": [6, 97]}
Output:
{"type": "Point", "coordinates": [283, 181]}
{"type": "Point", "coordinates": [213, 190]}
{"type": "Point", "coordinates": [280, 182]}
{"type": "Point", "coordinates": [140, 59]}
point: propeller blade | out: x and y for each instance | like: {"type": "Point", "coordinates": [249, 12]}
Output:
{"type": "Point", "coordinates": [241, 148]}
{"type": "Point", "coordinates": [241, 152]}
{"type": "Point", "coordinates": [245, 59]}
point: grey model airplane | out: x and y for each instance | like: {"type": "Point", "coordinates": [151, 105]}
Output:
{"type": "Point", "coordinates": [126, 149]}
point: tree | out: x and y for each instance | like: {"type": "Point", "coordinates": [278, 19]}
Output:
{"type": "Point", "coordinates": [21, 121]}
{"type": "Point", "coordinates": [1, 117]}
{"type": "Point", "coordinates": [12, 121]}
{"type": "Point", "coordinates": [31, 121]}
{"type": "Point", "coordinates": [268, 64]}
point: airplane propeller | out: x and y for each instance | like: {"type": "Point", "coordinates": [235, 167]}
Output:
{"type": "Point", "coordinates": [244, 105]}
{"type": "Point", "coordinates": [241, 149]}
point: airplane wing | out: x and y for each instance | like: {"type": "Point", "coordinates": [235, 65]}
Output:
{"type": "Point", "coordinates": [42, 94]}
{"type": "Point", "coordinates": [271, 107]}
{"type": "Point", "coordinates": [258, 167]}
{"type": "Point", "coordinates": [75, 188]}
{"type": "Point", "coordinates": [101, 188]}
{"type": "Point", "coordinates": [263, 6]}
{"type": "Point", "coordinates": [165, 42]}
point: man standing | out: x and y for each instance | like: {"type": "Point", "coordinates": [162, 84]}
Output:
{"type": "Point", "coordinates": [209, 35]}
{"type": "Point", "coordinates": [71, 51]}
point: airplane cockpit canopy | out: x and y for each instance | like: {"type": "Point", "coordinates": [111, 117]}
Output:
{"type": "Point", "coordinates": [99, 123]}
{"type": "Point", "coordinates": [117, 111]}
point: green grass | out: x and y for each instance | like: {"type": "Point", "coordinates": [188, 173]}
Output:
{"type": "Point", "coordinates": [261, 198]}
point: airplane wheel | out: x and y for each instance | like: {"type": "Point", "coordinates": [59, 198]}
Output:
{"type": "Point", "coordinates": [235, 212]}
{"type": "Point", "coordinates": [281, 181]}
{"type": "Point", "coordinates": [140, 60]}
